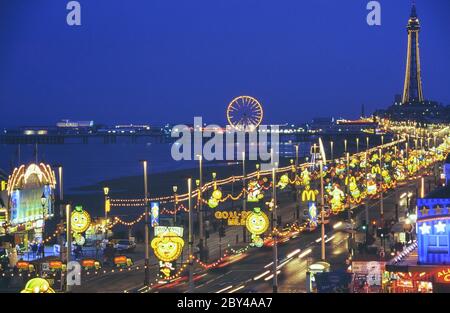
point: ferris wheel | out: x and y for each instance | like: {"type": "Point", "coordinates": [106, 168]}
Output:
{"type": "Point", "coordinates": [244, 112]}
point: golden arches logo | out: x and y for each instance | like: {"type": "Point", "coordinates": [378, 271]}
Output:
{"type": "Point", "coordinates": [309, 195]}
{"type": "Point", "coordinates": [376, 170]}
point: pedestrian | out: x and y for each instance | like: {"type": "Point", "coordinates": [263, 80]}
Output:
{"type": "Point", "coordinates": [13, 258]}
{"type": "Point", "coordinates": [34, 248]}
{"type": "Point", "coordinates": [78, 251]}
{"type": "Point", "coordinates": [40, 250]}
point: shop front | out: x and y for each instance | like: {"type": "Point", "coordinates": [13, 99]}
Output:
{"type": "Point", "coordinates": [31, 202]}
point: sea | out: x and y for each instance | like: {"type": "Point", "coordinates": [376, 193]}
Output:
{"type": "Point", "coordinates": [94, 162]}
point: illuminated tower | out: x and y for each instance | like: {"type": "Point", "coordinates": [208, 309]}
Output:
{"type": "Point", "coordinates": [412, 91]}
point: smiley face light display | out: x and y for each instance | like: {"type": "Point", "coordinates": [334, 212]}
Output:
{"type": "Point", "coordinates": [257, 223]}
{"type": "Point", "coordinates": [37, 285]}
{"type": "Point", "coordinates": [215, 198]}
{"type": "Point", "coordinates": [284, 181]}
{"type": "Point", "coordinates": [80, 220]}
{"type": "Point", "coordinates": [254, 191]}
{"type": "Point", "coordinates": [167, 246]}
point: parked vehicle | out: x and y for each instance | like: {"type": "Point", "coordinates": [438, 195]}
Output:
{"type": "Point", "coordinates": [125, 245]}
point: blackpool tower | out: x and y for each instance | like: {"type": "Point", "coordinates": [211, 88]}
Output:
{"type": "Point", "coordinates": [412, 91]}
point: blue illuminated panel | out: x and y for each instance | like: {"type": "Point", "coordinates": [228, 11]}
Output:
{"type": "Point", "coordinates": [433, 231]}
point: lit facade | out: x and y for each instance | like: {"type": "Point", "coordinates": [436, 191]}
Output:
{"type": "Point", "coordinates": [433, 228]}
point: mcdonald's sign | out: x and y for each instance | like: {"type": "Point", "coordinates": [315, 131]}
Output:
{"type": "Point", "coordinates": [376, 170]}
{"type": "Point", "coordinates": [309, 195]}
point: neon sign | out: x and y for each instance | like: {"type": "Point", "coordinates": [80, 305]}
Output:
{"type": "Point", "coordinates": [234, 218]}
{"type": "Point", "coordinates": [443, 276]}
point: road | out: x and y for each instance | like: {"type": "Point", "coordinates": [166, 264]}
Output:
{"type": "Point", "coordinates": [249, 274]}
{"type": "Point", "coordinates": [252, 274]}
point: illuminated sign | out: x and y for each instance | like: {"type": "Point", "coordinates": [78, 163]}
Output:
{"type": "Point", "coordinates": [257, 223]}
{"type": "Point", "coordinates": [122, 261]}
{"type": "Point", "coordinates": [80, 220]}
{"type": "Point", "coordinates": [166, 229]}
{"type": "Point", "coordinates": [25, 266]}
{"type": "Point", "coordinates": [312, 214]}
{"type": "Point", "coordinates": [154, 210]}
{"type": "Point", "coordinates": [373, 271]}
{"type": "Point", "coordinates": [107, 205]}
{"type": "Point", "coordinates": [443, 276]}
{"type": "Point", "coordinates": [167, 245]}
{"type": "Point", "coordinates": [309, 194]}
{"type": "Point", "coordinates": [433, 231]}
{"type": "Point", "coordinates": [22, 265]}
{"type": "Point", "coordinates": [234, 218]}
{"type": "Point", "coordinates": [90, 264]}
{"type": "Point", "coordinates": [55, 265]}
{"type": "Point", "coordinates": [3, 185]}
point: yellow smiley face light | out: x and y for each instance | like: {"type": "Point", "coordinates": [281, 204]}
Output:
{"type": "Point", "coordinates": [80, 220]}
{"type": "Point", "coordinates": [257, 223]}
{"type": "Point", "coordinates": [167, 246]}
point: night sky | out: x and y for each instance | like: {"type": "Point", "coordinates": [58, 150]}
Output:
{"type": "Point", "coordinates": [158, 61]}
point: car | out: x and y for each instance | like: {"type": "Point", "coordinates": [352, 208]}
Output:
{"type": "Point", "coordinates": [125, 245]}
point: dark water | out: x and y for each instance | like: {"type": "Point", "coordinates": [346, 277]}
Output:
{"type": "Point", "coordinates": [86, 164]}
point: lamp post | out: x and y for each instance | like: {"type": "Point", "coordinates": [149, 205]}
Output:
{"type": "Point", "coordinates": [331, 146]}
{"type": "Point", "coordinates": [381, 190]}
{"type": "Point", "coordinates": [200, 207]}
{"type": "Point", "coordinates": [274, 232]}
{"type": "Point", "coordinates": [367, 143]}
{"type": "Point", "coordinates": [43, 203]}
{"type": "Point", "coordinates": [61, 219]}
{"type": "Point", "coordinates": [357, 145]}
{"type": "Point", "coordinates": [147, 252]}
{"type": "Point", "coordinates": [69, 242]}
{"type": "Point", "coordinates": [366, 202]}
{"type": "Point", "coordinates": [175, 202]}
{"type": "Point", "coordinates": [345, 145]}
{"type": "Point", "coordinates": [190, 239]}
{"type": "Point", "coordinates": [244, 189]}
{"type": "Point", "coordinates": [107, 208]}
{"type": "Point", "coordinates": [322, 212]}
{"type": "Point", "coordinates": [297, 205]}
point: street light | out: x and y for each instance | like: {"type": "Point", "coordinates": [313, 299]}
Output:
{"type": "Point", "coordinates": [190, 239]}
{"type": "Point", "coordinates": [107, 209]}
{"type": "Point", "coordinates": [274, 231]}
{"type": "Point", "coordinates": [175, 202]}
{"type": "Point", "coordinates": [200, 207]}
{"type": "Point", "coordinates": [331, 146]}
{"type": "Point", "coordinates": [43, 202]}
{"type": "Point", "coordinates": [357, 145]}
{"type": "Point", "coordinates": [147, 252]}
{"type": "Point", "coordinates": [106, 192]}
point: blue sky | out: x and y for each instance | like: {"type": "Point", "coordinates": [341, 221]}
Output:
{"type": "Point", "coordinates": [164, 61]}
